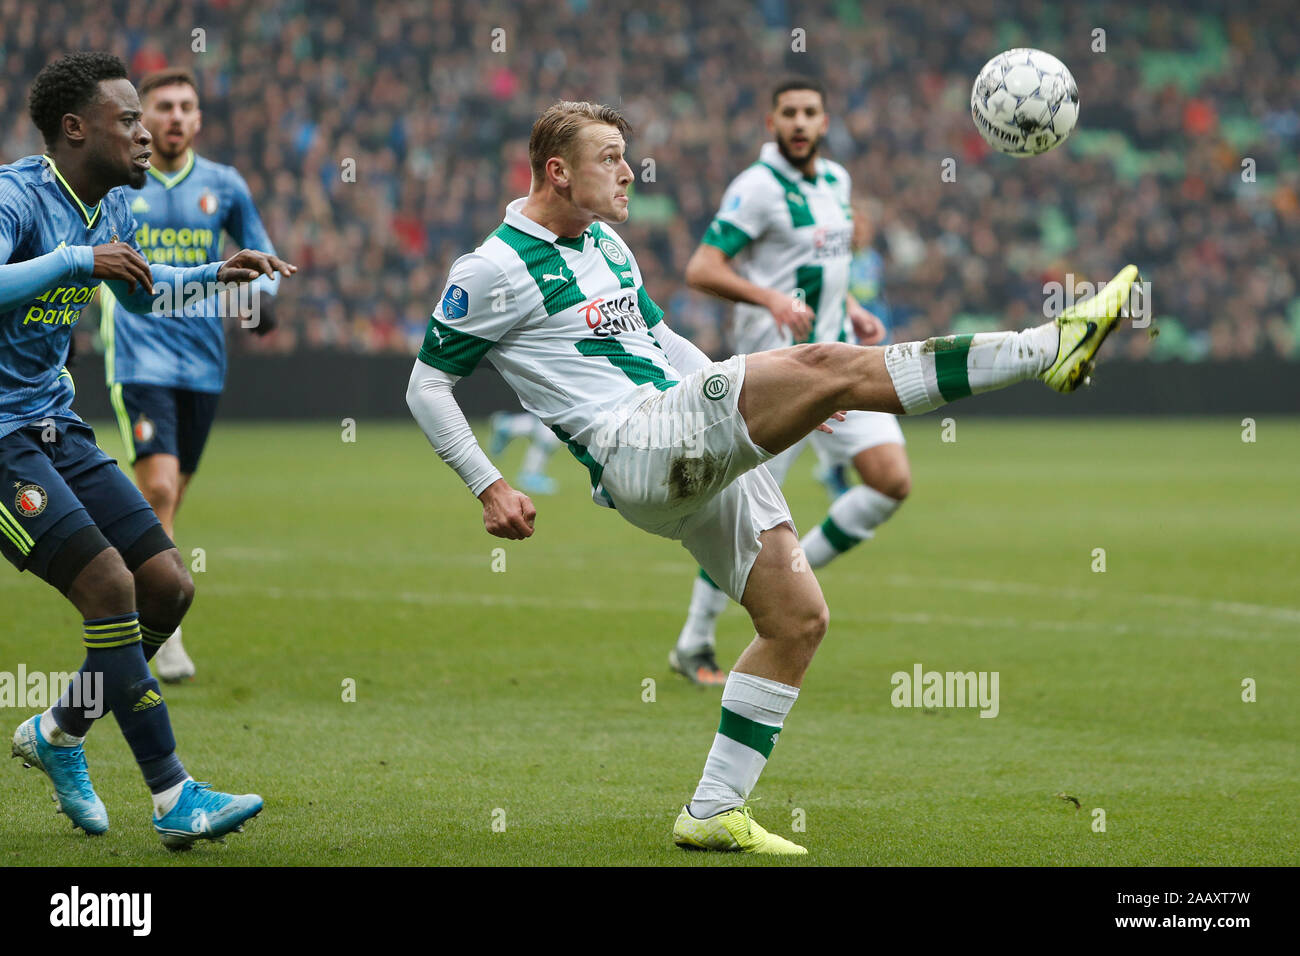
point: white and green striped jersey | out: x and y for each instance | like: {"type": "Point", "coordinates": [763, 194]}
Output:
{"type": "Point", "coordinates": [790, 233]}
{"type": "Point", "coordinates": [565, 321]}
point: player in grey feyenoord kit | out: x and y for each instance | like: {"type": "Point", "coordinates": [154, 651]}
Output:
{"type": "Point", "coordinates": [554, 299]}
{"type": "Point", "coordinates": [780, 248]}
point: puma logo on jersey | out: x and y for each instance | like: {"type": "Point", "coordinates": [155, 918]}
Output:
{"type": "Point", "coordinates": [551, 277]}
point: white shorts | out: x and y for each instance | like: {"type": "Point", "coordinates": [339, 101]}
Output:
{"type": "Point", "coordinates": [858, 432]}
{"type": "Point", "coordinates": [681, 464]}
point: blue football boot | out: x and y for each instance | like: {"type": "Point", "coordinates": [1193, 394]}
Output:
{"type": "Point", "coordinates": [202, 813]}
{"type": "Point", "coordinates": [67, 770]}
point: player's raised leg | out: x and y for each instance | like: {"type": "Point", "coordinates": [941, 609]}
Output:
{"type": "Point", "coordinates": [790, 618]}
{"type": "Point", "coordinates": [788, 392]}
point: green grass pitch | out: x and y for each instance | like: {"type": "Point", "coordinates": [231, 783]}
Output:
{"type": "Point", "coordinates": [516, 696]}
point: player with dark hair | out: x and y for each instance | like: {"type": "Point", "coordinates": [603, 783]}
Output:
{"type": "Point", "coordinates": [75, 520]}
{"type": "Point", "coordinates": [781, 248]}
{"type": "Point", "coordinates": [165, 373]}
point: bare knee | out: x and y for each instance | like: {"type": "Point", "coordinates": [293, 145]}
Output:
{"type": "Point", "coordinates": [897, 485]}
{"type": "Point", "coordinates": [163, 587]}
{"type": "Point", "coordinates": [103, 588]}
{"type": "Point", "coordinates": [809, 625]}
{"type": "Point", "coordinates": [824, 356]}
{"type": "Point", "coordinates": [885, 468]}
{"type": "Point", "coordinates": [161, 491]}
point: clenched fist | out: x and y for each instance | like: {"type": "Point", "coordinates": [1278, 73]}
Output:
{"type": "Point", "coordinates": [507, 513]}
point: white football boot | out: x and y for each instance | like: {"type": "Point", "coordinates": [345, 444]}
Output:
{"type": "Point", "coordinates": [174, 665]}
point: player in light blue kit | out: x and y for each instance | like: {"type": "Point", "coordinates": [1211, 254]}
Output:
{"type": "Point", "coordinates": [165, 374]}
{"type": "Point", "coordinates": [74, 520]}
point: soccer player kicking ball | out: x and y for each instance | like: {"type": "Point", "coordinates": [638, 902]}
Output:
{"type": "Point", "coordinates": [787, 222]}
{"type": "Point", "coordinates": [165, 373]}
{"type": "Point", "coordinates": [554, 299]}
{"type": "Point", "coordinates": [69, 515]}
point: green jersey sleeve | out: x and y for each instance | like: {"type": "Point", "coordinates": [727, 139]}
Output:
{"type": "Point", "coordinates": [745, 213]}
{"type": "Point", "coordinates": [477, 308]}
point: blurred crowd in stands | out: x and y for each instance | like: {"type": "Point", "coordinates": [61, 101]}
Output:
{"type": "Point", "coordinates": [1184, 160]}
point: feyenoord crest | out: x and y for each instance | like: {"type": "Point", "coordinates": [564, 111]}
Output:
{"type": "Point", "coordinates": [612, 252]}
{"type": "Point", "coordinates": [30, 500]}
{"type": "Point", "coordinates": [207, 202]}
{"type": "Point", "coordinates": [716, 387]}
{"type": "Point", "coordinates": [144, 429]}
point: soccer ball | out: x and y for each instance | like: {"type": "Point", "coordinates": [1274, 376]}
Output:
{"type": "Point", "coordinates": [1024, 102]}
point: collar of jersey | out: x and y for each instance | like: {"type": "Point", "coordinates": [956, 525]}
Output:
{"type": "Point", "coordinates": [170, 181]}
{"type": "Point", "coordinates": [87, 216]}
{"type": "Point", "coordinates": [771, 155]}
{"type": "Point", "coordinates": [521, 222]}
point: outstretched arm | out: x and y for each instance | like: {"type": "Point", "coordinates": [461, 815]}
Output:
{"type": "Point", "coordinates": [710, 270]}
{"type": "Point", "coordinates": [139, 293]}
{"type": "Point", "coordinates": [506, 513]}
{"type": "Point", "coordinates": [22, 281]}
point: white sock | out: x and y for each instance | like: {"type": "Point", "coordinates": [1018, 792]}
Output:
{"type": "Point", "coordinates": [544, 436]}
{"type": "Point", "coordinates": [53, 735]}
{"type": "Point", "coordinates": [535, 459]}
{"type": "Point", "coordinates": [937, 371]}
{"type": "Point", "coordinates": [853, 517]}
{"type": "Point", "coordinates": [519, 424]}
{"type": "Point", "coordinates": [707, 602]}
{"type": "Point", "coordinates": [163, 802]}
{"type": "Point", "coordinates": [753, 712]}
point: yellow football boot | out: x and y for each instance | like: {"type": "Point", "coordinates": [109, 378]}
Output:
{"type": "Point", "coordinates": [732, 831]}
{"type": "Point", "coordinates": [1084, 327]}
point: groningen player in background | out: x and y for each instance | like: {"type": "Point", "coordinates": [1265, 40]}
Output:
{"type": "Point", "coordinates": [165, 373]}
{"type": "Point", "coordinates": [554, 299]}
{"type": "Point", "coordinates": [867, 289]}
{"type": "Point", "coordinates": [787, 222]}
{"type": "Point", "coordinates": [74, 519]}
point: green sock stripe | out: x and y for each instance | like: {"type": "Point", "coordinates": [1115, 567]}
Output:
{"type": "Point", "coordinates": [840, 539]}
{"type": "Point", "coordinates": [704, 576]}
{"type": "Point", "coordinates": [748, 732]}
{"type": "Point", "coordinates": [111, 626]}
{"type": "Point", "coordinates": [150, 636]}
{"type": "Point", "coordinates": [950, 366]}
{"type": "Point", "coordinates": [98, 639]}
{"type": "Point", "coordinates": [125, 630]}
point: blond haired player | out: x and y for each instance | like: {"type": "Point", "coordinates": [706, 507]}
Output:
{"type": "Point", "coordinates": [554, 299]}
